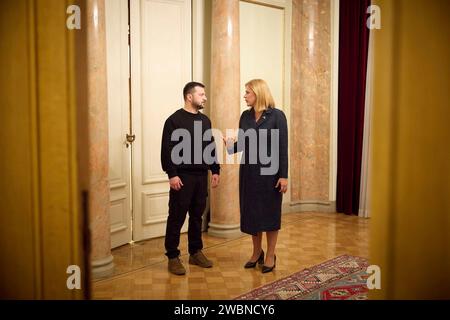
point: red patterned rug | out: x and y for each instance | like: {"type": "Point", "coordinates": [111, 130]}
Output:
{"type": "Point", "coordinates": [341, 278]}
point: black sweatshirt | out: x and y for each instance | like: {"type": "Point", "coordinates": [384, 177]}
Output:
{"type": "Point", "coordinates": [191, 137]}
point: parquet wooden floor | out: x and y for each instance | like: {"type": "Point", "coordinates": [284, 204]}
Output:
{"type": "Point", "coordinates": [305, 239]}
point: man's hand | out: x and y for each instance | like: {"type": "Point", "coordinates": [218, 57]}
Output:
{"type": "Point", "coordinates": [215, 180]}
{"type": "Point", "coordinates": [283, 183]}
{"type": "Point", "coordinates": [175, 183]}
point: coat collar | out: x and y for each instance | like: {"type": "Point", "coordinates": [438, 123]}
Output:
{"type": "Point", "coordinates": [267, 111]}
{"type": "Point", "coordinates": [264, 115]}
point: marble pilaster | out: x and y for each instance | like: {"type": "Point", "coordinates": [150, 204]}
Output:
{"type": "Point", "coordinates": [225, 112]}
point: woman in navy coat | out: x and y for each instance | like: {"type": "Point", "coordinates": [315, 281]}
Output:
{"type": "Point", "coordinates": [263, 173]}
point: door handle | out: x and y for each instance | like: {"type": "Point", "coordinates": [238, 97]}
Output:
{"type": "Point", "coordinates": [130, 139]}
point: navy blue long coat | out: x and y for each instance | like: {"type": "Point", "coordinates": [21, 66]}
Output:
{"type": "Point", "coordinates": [260, 169]}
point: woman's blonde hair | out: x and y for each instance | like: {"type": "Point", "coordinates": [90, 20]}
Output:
{"type": "Point", "coordinates": [264, 98]}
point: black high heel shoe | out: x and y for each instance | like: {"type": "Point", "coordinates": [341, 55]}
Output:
{"type": "Point", "coordinates": [260, 260]}
{"type": "Point", "coordinates": [266, 269]}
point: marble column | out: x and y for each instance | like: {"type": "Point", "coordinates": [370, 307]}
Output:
{"type": "Point", "coordinates": [310, 104]}
{"type": "Point", "coordinates": [225, 112]}
{"type": "Point", "coordinates": [99, 224]}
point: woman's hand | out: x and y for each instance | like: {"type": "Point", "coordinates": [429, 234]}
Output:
{"type": "Point", "coordinates": [283, 183]}
{"type": "Point", "coordinates": [228, 142]}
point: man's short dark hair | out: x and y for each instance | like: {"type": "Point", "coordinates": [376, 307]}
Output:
{"type": "Point", "coordinates": [189, 88]}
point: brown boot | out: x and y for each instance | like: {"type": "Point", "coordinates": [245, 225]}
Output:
{"type": "Point", "coordinates": [176, 267]}
{"type": "Point", "coordinates": [199, 259]}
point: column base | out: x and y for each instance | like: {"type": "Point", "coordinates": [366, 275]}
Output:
{"type": "Point", "coordinates": [102, 268]}
{"type": "Point", "coordinates": [228, 231]}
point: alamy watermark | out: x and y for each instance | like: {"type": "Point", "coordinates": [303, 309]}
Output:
{"type": "Point", "coordinates": [263, 147]}
{"type": "Point", "coordinates": [374, 280]}
{"type": "Point", "coordinates": [74, 20]}
{"type": "Point", "coordinates": [374, 20]}
{"type": "Point", "coordinates": [74, 280]}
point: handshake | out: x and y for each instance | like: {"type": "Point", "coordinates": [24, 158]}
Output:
{"type": "Point", "coordinates": [229, 143]}
{"type": "Point", "coordinates": [177, 184]}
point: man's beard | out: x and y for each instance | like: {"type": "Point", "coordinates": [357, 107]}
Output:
{"type": "Point", "coordinates": [199, 106]}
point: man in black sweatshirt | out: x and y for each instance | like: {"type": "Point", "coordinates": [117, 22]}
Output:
{"type": "Point", "coordinates": [187, 153]}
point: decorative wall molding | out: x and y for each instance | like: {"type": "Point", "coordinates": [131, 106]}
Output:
{"type": "Point", "coordinates": [334, 6]}
{"type": "Point", "coordinates": [303, 206]}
